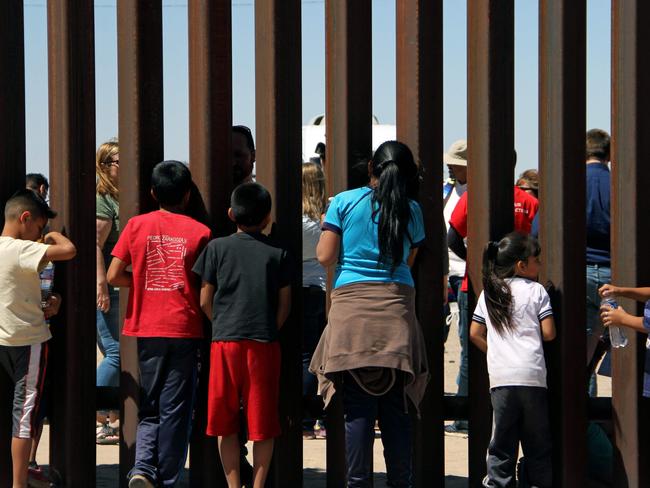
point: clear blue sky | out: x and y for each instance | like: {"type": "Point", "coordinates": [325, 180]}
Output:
{"type": "Point", "coordinates": [313, 37]}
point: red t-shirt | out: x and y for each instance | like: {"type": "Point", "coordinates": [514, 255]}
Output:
{"type": "Point", "coordinates": [526, 207]}
{"type": "Point", "coordinates": [161, 248]}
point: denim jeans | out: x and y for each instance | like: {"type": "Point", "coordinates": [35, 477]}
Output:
{"type": "Point", "coordinates": [108, 340]}
{"type": "Point", "coordinates": [454, 283]}
{"type": "Point", "coordinates": [463, 335]}
{"type": "Point", "coordinates": [361, 409]}
{"type": "Point", "coordinates": [312, 328]}
{"type": "Point", "coordinates": [597, 276]}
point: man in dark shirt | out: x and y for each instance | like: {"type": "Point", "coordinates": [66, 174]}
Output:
{"type": "Point", "coordinates": [598, 236]}
{"type": "Point", "coordinates": [598, 241]}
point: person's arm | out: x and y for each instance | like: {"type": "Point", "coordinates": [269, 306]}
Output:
{"type": "Point", "coordinates": [206, 298]}
{"type": "Point", "coordinates": [103, 229]}
{"type": "Point", "coordinates": [638, 294]}
{"type": "Point", "coordinates": [478, 335]}
{"type": "Point", "coordinates": [52, 305]}
{"type": "Point", "coordinates": [456, 243]}
{"type": "Point", "coordinates": [618, 316]}
{"type": "Point", "coordinates": [284, 305]}
{"type": "Point", "coordinates": [60, 247]}
{"type": "Point", "coordinates": [327, 250]}
{"type": "Point", "coordinates": [411, 259]}
{"type": "Point", "coordinates": [118, 275]}
{"type": "Point", "coordinates": [547, 325]}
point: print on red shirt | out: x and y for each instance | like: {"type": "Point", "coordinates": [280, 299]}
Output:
{"type": "Point", "coordinates": [165, 268]}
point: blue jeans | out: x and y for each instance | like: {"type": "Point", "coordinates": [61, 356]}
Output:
{"type": "Point", "coordinates": [463, 334]}
{"type": "Point", "coordinates": [168, 377]}
{"type": "Point", "coordinates": [108, 340]}
{"type": "Point", "coordinates": [454, 283]}
{"type": "Point", "coordinates": [597, 276]}
{"type": "Point", "coordinates": [312, 328]}
{"type": "Point", "coordinates": [361, 410]}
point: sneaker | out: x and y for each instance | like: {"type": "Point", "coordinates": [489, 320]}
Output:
{"type": "Point", "coordinates": [457, 428]}
{"type": "Point", "coordinates": [108, 436]}
{"type": "Point", "coordinates": [36, 473]}
{"type": "Point", "coordinates": [320, 431]}
{"type": "Point", "coordinates": [140, 481]}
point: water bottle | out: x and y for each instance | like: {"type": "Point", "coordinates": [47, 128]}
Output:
{"type": "Point", "coordinates": [616, 335]}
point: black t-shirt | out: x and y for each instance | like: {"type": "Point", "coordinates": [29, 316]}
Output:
{"type": "Point", "coordinates": [247, 271]}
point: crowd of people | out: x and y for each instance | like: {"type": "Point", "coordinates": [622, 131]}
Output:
{"type": "Point", "coordinates": [370, 350]}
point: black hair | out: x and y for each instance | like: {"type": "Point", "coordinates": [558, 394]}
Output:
{"type": "Point", "coordinates": [358, 171]}
{"type": "Point", "coordinates": [34, 180]}
{"type": "Point", "coordinates": [499, 262]}
{"type": "Point", "coordinates": [248, 135]}
{"type": "Point", "coordinates": [250, 203]}
{"type": "Point", "coordinates": [27, 200]}
{"type": "Point", "coordinates": [394, 167]}
{"type": "Point", "coordinates": [598, 142]}
{"type": "Point", "coordinates": [170, 182]}
{"type": "Point", "coordinates": [320, 150]}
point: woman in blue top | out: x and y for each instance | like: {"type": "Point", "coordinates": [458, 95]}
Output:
{"type": "Point", "coordinates": [372, 350]}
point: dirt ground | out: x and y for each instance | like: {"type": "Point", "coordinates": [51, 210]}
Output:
{"type": "Point", "coordinates": [314, 450]}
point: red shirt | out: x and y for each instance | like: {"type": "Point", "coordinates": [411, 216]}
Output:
{"type": "Point", "coordinates": [161, 248]}
{"type": "Point", "coordinates": [526, 207]}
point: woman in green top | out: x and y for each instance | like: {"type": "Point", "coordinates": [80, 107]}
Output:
{"type": "Point", "coordinates": [107, 167]}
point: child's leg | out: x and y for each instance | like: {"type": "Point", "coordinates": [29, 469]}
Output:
{"type": "Point", "coordinates": [262, 454]}
{"type": "Point", "coordinates": [20, 449]}
{"type": "Point", "coordinates": [35, 441]}
{"type": "Point", "coordinates": [260, 393]}
{"type": "Point", "coordinates": [151, 358]}
{"type": "Point", "coordinates": [536, 437]}
{"type": "Point", "coordinates": [26, 366]}
{"type": "Point", "coordinates": [229, 453]}
{"type": "Point", "coordinates": [502, 451]}
{"type": "Point", "coordinates": [176, 404]}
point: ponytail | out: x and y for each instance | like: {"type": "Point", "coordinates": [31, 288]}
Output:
{"type": "Point", "coordinates": [394, 214]}
{"type": "Point", "coordinates": [498, 298]}
{"type": "Point", "coordinates": [394, 167]}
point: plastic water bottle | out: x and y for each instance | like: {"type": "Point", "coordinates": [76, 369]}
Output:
{"type": "Point", "coordinates": [616, 335]}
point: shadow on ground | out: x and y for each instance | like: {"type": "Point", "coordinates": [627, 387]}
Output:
{"type": "Point", "coordinates": [107, 475]}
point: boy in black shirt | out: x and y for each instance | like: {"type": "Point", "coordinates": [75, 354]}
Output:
{"type": "Point", "coordinates": [246, 293]}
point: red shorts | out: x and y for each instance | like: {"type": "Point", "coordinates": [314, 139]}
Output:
{"type": "Point", "coordinates": [248, 371]}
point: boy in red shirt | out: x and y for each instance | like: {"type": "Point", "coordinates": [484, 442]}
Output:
{"type": "Point", "coordinates": [246, 293]}
{"type": "Point", "coordinates": [164, 314]}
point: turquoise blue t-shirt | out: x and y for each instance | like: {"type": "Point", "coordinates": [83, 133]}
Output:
{"type": "Point", "coordinates": [350, 216]}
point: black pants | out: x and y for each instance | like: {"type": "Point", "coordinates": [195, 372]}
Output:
{"type": "Point", "coordinates": [312, 327]}
{"type": "Point", "coordinates": [361, 410]}
{"type": "Point", "coordinates": [520, 414]}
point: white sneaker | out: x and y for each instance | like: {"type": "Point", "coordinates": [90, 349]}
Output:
{"type": "Point", "coordinates": [140, 481]}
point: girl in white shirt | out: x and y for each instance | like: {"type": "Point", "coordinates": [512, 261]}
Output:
{"type": "Point", "coordinates": [512, 318]}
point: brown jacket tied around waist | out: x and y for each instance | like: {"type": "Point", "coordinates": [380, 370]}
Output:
{"type": "Point", "coordinates": [372, 325]}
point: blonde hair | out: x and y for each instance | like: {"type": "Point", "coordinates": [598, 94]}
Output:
{"type": "Point", "coordinates": [313, 191]}
{"type": "Point", "coordinates": [105, 154]}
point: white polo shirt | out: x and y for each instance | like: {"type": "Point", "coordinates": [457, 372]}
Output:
{"type": "Point", "coordinates": [516, 358]}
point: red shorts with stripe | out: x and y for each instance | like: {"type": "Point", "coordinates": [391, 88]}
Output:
{"type": "Point", "coordinates": [244, 373]}
{"type": "Point", "coordinates": [26, 366]}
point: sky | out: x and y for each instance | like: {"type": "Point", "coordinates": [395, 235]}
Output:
{"type": "Point", "coordinates": [175, 71]}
